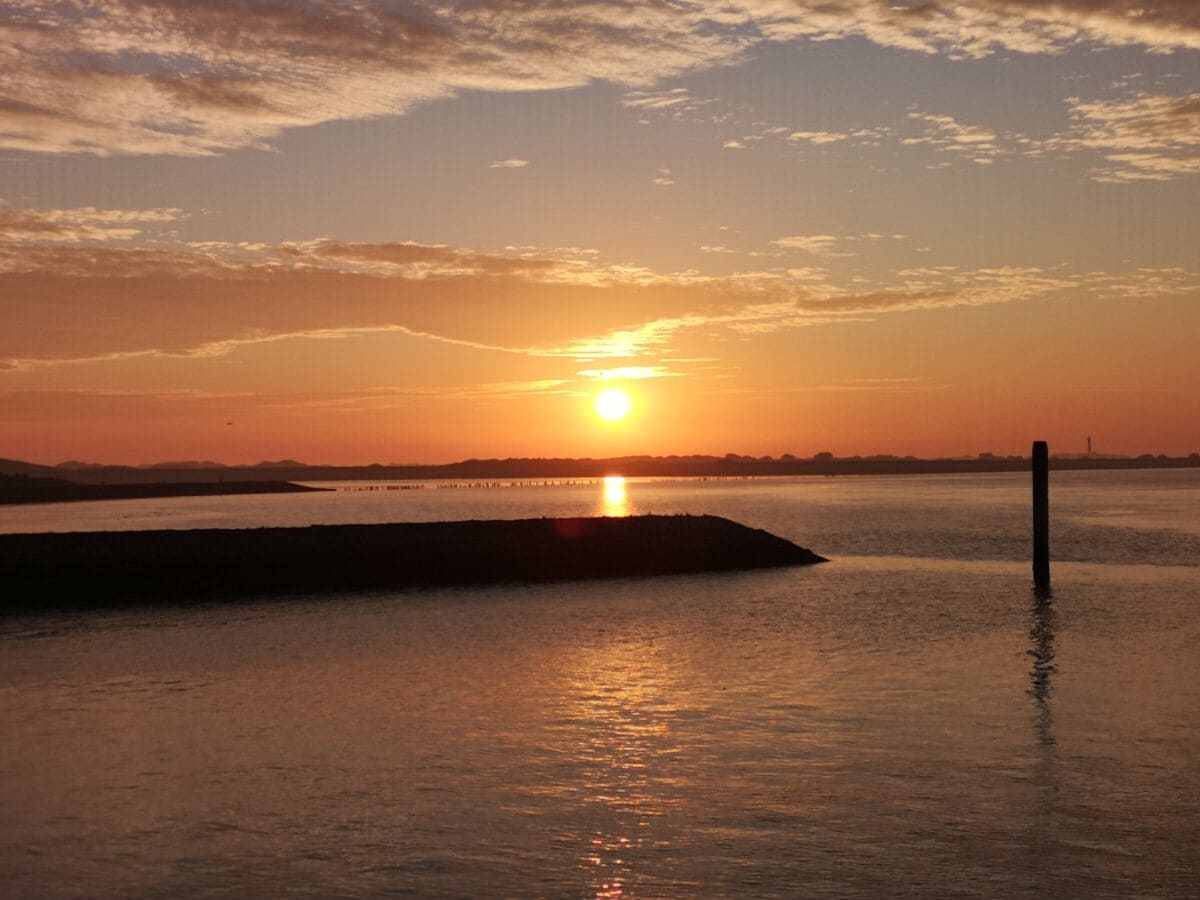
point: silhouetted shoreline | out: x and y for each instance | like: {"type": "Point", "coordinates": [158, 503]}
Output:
{"type": "Point", "coordinates": [729, 466]}
{"type": "Point", "coordinates": [97, 569]}
{"type": "Point", "coordinates": [46, 490]}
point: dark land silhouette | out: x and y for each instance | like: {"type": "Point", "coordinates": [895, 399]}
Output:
{"type": "Point", "coordinates": [95, 569]}
{"type": "Point", "coordinates": [24, 489]}
{"type": "Point", "coordinates": [728, 466]}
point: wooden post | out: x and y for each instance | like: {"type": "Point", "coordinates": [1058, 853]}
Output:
{"type": "Point", "coordinates": [1041, 514]}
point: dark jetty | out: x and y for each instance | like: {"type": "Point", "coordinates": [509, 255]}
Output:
{"type": "Point", "coordinates": [51, 490]}
{"type": "Point", "coordinates": [83, 569]}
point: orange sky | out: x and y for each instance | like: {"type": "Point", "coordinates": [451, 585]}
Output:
{"type": "Point", "coordinates": [356, 234]}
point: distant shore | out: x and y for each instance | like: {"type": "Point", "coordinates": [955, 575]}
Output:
{"type": "Point", "coordinates": [96, 569]}
{"type": "Point", "coordinates": [18, 490]}
{"type": "Point", "coordinates": [730, 466]}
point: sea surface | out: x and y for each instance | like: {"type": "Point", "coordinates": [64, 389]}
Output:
{"type": "Point", "coordinates": [911, 718]}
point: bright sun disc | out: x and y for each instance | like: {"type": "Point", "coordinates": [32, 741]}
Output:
{"type": "Point", "coordinates": [612, 404]}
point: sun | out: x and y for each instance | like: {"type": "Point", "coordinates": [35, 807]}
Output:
{"type": "Point", "coordinates": [612, 404]}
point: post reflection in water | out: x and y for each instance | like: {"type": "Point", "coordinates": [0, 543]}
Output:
{"type": "Point", "coordinates": [1048, 815]}
{"type": "Point", "coordinates": [1042, 636]}
{"type": "Point", "coordinates": [615, 499]}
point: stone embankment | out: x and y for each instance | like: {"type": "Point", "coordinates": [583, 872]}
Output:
{"type": "Point", "coordinates": [85, 569]}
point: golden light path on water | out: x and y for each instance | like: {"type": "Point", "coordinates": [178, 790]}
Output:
{"type": "Point", "coordinates": [619, 712]}
{"type": "Point", "coordinates": [616, 500]}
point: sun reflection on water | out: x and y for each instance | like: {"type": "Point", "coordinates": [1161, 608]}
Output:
{"type": "Point", "coordinates": [619, 723]}
{"type": "Point", "coordinates": [616, 502]}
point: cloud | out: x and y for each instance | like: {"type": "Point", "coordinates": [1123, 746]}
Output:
{"type": "Point", "coordinates": [1141, 137]}
{"type": "Point", "coordinates": [945, 133]}
{"type": "Point", "coordinates": [945, 287]}
{"type": "Point", "coordinates": [949, 131]}
{"type": "Point", "coordinates": [629, 373]}
{"type": "Point", "coordinates": [67, 301]}
{"type": "Point", "coordinates": [977, 28]}
{"type": "Point", "coordinates": [824, 245]}
{"type": "Point", "coordinates": [763, 131]}
{"type": "Point", "coordinates": [807, 273]}
{"type": "Point", "coordinates": [206, 76]}
{"type": "Point", "coordinates": [196, 78]}
{"type": "Point", "coordinates": [415, 262]}
{"type": "Point", "coordinates": [1146, 137]}
{"type": "Point", "coordinates": [74, 225]}
{"type": "Point", "coordinates": [828, 244]}
{"type": "Point", "coordinates": [672, 100]}
{"type": "Point", "coordinates": [902, 385]}
{"type": "Point", "coordinates": [509, 164]}
{"type": "Point", "coordinates": [816, 244]}
{"type": "Point", "coordinates": [88, 301]}
{"type": "Point", "coordinates": [818, 137]}
{"type": "Point", "coordinates": [1144, 283]}
{"type": "Point", "coordinates": [723, 248]}
{"type": "Point", "coordinates": [55, 404]}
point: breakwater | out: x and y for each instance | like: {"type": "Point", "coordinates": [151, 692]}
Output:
{"type": "Point", "coordinates": [82, 569]}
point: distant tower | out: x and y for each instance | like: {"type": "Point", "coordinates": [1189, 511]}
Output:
{"type": "Point", "coordinates": [1089, 445]}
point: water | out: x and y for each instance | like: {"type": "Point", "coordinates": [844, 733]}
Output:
{"type": "Point", "coordinates": [908, 719]}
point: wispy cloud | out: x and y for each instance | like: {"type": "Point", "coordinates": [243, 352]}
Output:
{"type": "Point", "coordinates": [39, 405]}
{"type": "Point", "coordinates": [816, 244]}
{"type": "Point", "coordinates": [673, 100]}
{"type": "Point", "coordinates": [829, 245]}
{"type": "Point", "coordinates": [818, 137]}
{"type": "Point", "coordinates": [75, 225]}
{"type": "Point", "coordinates": [903, 385]}
{"type": "Point", "coordinates": [1139, 137]}
{"type": "Point", "coordinates": [948, 131]}
{"type": "Point", "coordinates": [764, 133]}
{"type": "Point", "coordinates": [629, 373]}
{"type": "Point", "coordinates": [977, 28]}
{"type": "Point", "coordinates": [509, 164]}
{"type": "Point", "coordinates": [91, 301]}
{"type": "Point", "coordinates": [1145, 137]}
{"type": "Point", "coordinates": [163, 77]}
{"type": "Point", "coordinates": [945, 133]}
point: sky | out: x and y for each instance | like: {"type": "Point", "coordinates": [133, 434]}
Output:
{"type": "Point", "coordinates": [355, 232]}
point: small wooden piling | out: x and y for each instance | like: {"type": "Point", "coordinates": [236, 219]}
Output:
{"type": "Point", "coordinates": [1041, 514]}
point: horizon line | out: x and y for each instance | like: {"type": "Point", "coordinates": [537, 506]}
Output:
{"type": "Point", "coordinates": [787, 458]}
